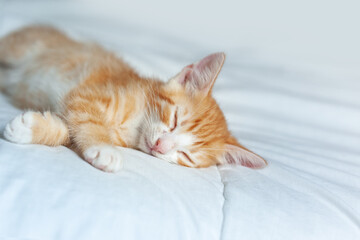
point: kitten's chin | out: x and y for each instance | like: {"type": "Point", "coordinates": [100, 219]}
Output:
{"type": "Point", "coordinates": [160, 156]}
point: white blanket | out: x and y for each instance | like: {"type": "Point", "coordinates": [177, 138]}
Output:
{"type": "Point", "coordinates": [305, 122]}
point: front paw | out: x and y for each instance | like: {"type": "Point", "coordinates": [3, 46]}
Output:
{"type": "Point", "coordinates": [19, 129]}
{"type": "Point", "coordinates": [106, 158]}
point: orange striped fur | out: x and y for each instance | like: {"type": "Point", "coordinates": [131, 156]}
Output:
{"type": "Point", "coordinates": [93, 101]}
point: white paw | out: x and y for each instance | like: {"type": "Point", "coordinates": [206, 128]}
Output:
{"type": "Point", "coordinates": [106, 158]}
{"type": "Point", "coordinates": [19, 130]}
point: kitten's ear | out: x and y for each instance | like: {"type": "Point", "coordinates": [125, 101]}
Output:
{"type": "Point", "coordinates": [200, 77]}
{"type": "Point", "coordinates": [238, 155]}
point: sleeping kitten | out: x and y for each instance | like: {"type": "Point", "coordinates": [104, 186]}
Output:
{"type": "Point", "coordinates": [86, 98]}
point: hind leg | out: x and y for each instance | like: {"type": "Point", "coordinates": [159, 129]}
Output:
{"type": "Point", "coordinates": [37, 128]}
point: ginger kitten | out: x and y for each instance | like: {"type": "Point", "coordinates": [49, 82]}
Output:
{"type": "Point", "coordinates": [86, 98]}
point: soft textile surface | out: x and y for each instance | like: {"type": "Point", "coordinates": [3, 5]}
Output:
{"type": "Point", "coordinates": [304, 122]}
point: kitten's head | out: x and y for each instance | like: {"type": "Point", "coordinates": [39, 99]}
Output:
{"type": "Point", "coordinates": [184, 124]}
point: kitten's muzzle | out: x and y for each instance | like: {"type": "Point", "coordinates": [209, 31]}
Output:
{"type": "Point", "coordinates": [163, 146]}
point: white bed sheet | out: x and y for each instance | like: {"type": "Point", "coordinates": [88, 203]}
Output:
{"type": "Point", "coordinates": [304, 122]}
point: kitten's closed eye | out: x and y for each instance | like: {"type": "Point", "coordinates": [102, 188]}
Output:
{"type": "Point", "coordinates": [175, 120]}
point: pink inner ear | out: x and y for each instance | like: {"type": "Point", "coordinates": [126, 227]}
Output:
{"type": "Point", "coordinates": [201, 76]}
{"type": "Point", "coordinates": [185, 74]}
{"type": "Point", "coordinates": [237, 155]}
{"type": "Point", "coordinates": [209, 61]}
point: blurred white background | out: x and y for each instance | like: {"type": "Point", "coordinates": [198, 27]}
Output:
{"type": "Point", "coordinates": [321, 32]}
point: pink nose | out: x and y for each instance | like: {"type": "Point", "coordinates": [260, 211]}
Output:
{"type": "Point", "coordinates": [163, 146]}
